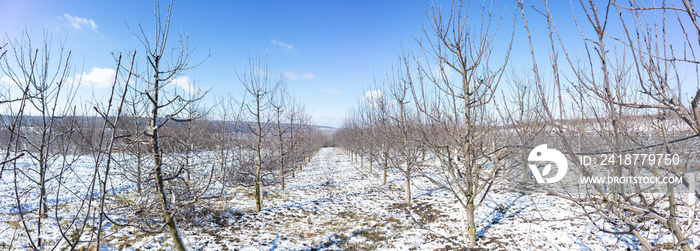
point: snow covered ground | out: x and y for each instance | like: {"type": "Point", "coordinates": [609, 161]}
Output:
{"type": "Point", "coordinates": [333, 204]}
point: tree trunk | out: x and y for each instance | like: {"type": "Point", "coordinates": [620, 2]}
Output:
{"type": "Point", "coordinates": [43, 207]}
{"type": "Point", "coordinates": [174, 232]}
{"type": "Point", "coordinates": [258, 196]}
{"type": "Point", "coordinates": [384, 175]}
{"type": "Point", "coordinates": [408, 189]}
{"type": "Point", "coordinates": [385, 166]}
{"type": "Point", "coordinates": [282, 171]}
{"type": "Point", "coordinates": [138, 168]}
{"type": "Point", "coordinates": [160, 185]}
{"type": "Point", "coordinates": [168, 216]}
{"type": "Point", "coordinates": [470, 228]}
{"type": "Point", "coordinates": [258, 150]}
{"type": "Point", "coordinates": [282, 181]}
{"type": "Point", "coordinates": [187, 165]}
{"type": "Point", "coordinates": [258, 183]}
{"type": "Point", "coordinates": [672, 224]}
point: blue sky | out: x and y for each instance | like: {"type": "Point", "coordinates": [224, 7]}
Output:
{"type": "Point", "coordinates": [329, 51]}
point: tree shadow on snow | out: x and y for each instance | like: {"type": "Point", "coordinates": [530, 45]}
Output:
{"type": "Point", "coordinates": [499, 212]}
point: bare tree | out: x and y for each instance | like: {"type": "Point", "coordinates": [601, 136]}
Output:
{"type": "Point", "coordinates": [521, 114]}
{"type": "Point", "coordinates": [9, 137]}
{"type": "Point", "coordinates": [109, 134]}
{"type": "Point", "coordinates": [260, 92]}
{"type": "Point", "coordinates": [54, 140]}
{"type": "Point", "coordinates": [279, 105]}
{"type": "Point", "coordinates": [403, 127]}
{"type": "Point", "coordinates": [610, 81]}
{"type": "Point", "coordinates": [377, 120]}
{"type": "Point", "coordinates": [164, 109]}
{"type": "Point", "coordinates": [460, 110]}
{"type": "Point", "coordinates": [134, 148]}
{"type": "Point", "coordinates": [296, 119]}
{"type": "Point", "coordinates": [48, 94]}
{"type": "Point", "coordinates": [408, 124]}
{"type": "Point", "coordinates": [227, 134]}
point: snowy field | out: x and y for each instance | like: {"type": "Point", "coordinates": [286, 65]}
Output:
{"type": "Point", "coordinates": [333, 204]}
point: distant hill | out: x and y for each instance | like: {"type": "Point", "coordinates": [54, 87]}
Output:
{"type": "Point", "coordinates": [231, 125]}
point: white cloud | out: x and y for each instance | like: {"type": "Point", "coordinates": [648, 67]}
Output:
{"type": "Point", "coordinates": [5, 80]}
{"type": "Point", "coordinates": [186, 84]}
{"type": "Point", "coordinates": [372, 98]}
{"type": "Point", "coordinates": [440, 69]}
{"type": "Point", "coordinates": [79, 22]}
{"type": "Point", "coordinates": [294, 76]}
{"type": "Point", "coordinates": [332, 91]}
{"type": "Point", "coordinates": [307, 75]}
{"type": "Point", "coordinates": [282, 46]}
{"type": "Point", "coordinates": [97, 77]}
